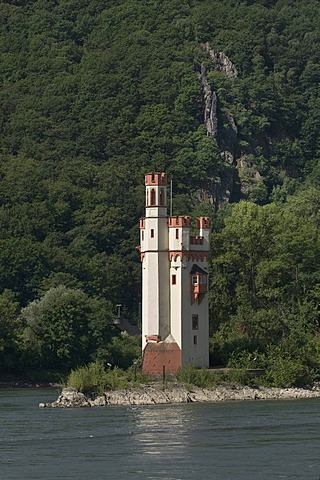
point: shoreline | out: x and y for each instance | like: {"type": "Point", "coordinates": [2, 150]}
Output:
{"type": "Point", "coordinates": [159, 395]}
{"type": "Point", "coordinates": [13, 381]}
{"type": "Point", "coordinates": [26, 385]}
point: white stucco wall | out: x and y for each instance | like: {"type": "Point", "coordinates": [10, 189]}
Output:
{"type": "Point", "coordinates": [155, 279]}
{"type": "Point", "coordinates": [197, 355]}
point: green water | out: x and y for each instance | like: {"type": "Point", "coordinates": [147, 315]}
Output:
{"type": "Point", "coordinates": [236, 440]}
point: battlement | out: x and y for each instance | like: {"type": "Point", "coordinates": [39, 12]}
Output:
{"type": "Point", "coordinates": [204, 223]}
{"type": "Point", "coordinates": [196, 240]}
{"type": "Point", "coordinates": [142, 223]}
{"type": "Point", "coordinates": [181, 221]}
{"type": "Point", "coordinates": [156, 179]}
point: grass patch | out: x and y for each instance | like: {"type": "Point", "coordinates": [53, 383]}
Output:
{"type": "Point", "coordinates": [206, 378]}
{"type": "Point", "coordinates": [95, 378]}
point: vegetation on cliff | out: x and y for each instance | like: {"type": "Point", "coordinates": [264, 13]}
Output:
{"type": "Point", "coordinates": [92, 96]}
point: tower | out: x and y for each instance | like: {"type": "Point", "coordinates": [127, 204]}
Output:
{"type": "Point", "coordinates": [175, 325]}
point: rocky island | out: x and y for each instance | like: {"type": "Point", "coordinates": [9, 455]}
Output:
{"type": "Point", "coordinates": [158, 394]}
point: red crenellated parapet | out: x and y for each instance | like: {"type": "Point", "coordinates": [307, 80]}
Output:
{"type": "Point", "coordinates": [204, 223]}
{"type": "Point", "coordinates": [181, 221]}
{"type": "Point", "coordinates": [142, 223]}
{"type": "Point", "coordinates": [156, 179]}
{"type": "Point", "coordinates": [196, 240]}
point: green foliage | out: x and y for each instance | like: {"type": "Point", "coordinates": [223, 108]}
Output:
{"type": "Point", "coordinates": [95, 378]}
{"type": "Point", "coordinates": [286, 371]}
{"type": "Point", "coordinates": [10, 330]}
{"type": "Point", "coordinates": [205, 378]}
{"type": "Point", "coordinates": [247, 360]}
{"type": "Point", "coordinates": [124, 350]}
{"type": "Point", "coordinates": [93, 95]}
{"type": "Point", "coordinates": [265, 267]}
{"type": "Point", "coordinates": [192, 376]}
{"type": "Point", "coordinates": [62, 328]}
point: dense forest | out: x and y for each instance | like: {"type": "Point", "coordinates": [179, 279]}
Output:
{"type": "Point", "coordinates": [223, 95]}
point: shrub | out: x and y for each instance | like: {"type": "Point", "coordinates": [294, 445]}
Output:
{"type": "Point", "coordinates": [95, 378]}
{"type": "Point", "coordinates": [92, 377]}
{"type": "Point", "coordinates": [206, 378]}
{"type": "Point", "coordinates": [247, 360]}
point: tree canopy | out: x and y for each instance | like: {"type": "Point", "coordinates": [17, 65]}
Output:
{"type": "Point", "coordinates": [93, 95]}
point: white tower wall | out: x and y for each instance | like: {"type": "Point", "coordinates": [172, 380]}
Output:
{"type": "Point", "coordinates": [176, 300]}
{"type": "Point", "coordinates": [195, 342]}
{"type": "Point", "coordinates": [155, 265]}
{"type": "Point", "coordinates": [175, 325]}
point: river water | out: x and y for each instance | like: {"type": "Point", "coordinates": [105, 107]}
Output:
{"type": "Point", "coordinates": [235, 440]}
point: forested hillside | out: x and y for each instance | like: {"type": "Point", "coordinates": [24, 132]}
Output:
{"type": "Point", "coordinates": [224, 97]}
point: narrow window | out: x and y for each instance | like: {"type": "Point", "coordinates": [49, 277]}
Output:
{"type": "Point", "coordinates": [162, 196]}
{"type": "Point", "coordinates": [194, 279]}
{"type": "Point", "coordinates": [177, 233]}
{"type": "Point", "coordinates": [153, 197]}
{"type": "Point", "coordinates": [142, 235]}
{"type": "Point", "coordinates": [195, 340]}
{"type": "Point", "coordinates": [195, 322]}
{"type": "Point", "coordinates": [174, 279]}
{"type": "Point", "coordinates": [152, 233]}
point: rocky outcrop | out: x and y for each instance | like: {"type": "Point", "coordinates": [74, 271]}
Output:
{"type": "Point", "coordinates": [210, 104]}
{"type": "Point", "coordinates": [220, 125]}
{"type": "Point", "coordinates": [69, 397]}
{"type": "Point", "coordinates": [157, 395]}
{"type": "Point", "coordinates": [221, 62]}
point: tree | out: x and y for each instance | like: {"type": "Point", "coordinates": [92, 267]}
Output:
{"type": "Point", "coordinates": [60, 329]}
{"type": "Point", "coordinates": [10, 331]}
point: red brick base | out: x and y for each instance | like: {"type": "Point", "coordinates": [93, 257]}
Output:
{"type": "Point", "coordinates": [159, 355]}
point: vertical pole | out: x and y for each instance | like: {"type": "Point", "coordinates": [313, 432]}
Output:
{"type": "Point", "coordinates": [140, 316]}
{"type": "Point", "coordinates": [163, 374]}
{"type": "Point", "coordinates": [170, 198]}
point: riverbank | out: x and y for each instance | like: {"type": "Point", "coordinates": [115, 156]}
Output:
{"type": "Point", "coordinates": [14, 381]}
{"type": "Point", "coordinates": [158, 395]}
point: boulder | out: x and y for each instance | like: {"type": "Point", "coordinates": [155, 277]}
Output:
{"type": "Point", "coordinates": [69, 397]}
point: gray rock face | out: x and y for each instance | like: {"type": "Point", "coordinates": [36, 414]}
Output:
{"type": "Point", "coordinates": [210, 104]}
{"type": "Point", "coordinates": [69, 397]}
{"type": "Point", "coordinates": [157, 395]}
{"type": "Point", "coordinates": [220, 126]}
{"type": "Point", "coordinates": [221, 62]}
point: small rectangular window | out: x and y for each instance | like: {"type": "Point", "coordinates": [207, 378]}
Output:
{"type": "Point", "coordinates": [142, 235]}
{"type": "Point", "coordinates": [195, 340]}
{"type": "Point", "coordinates": [195, 322]}
{"type": "Point", "coordinates": [174, 279]}
{"type": "Point", "coordinates": [152, 233]}
{"type": "Point", "coordinates": [177, 233]}
{"type": "Point", "coordinates": [194, 279]}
